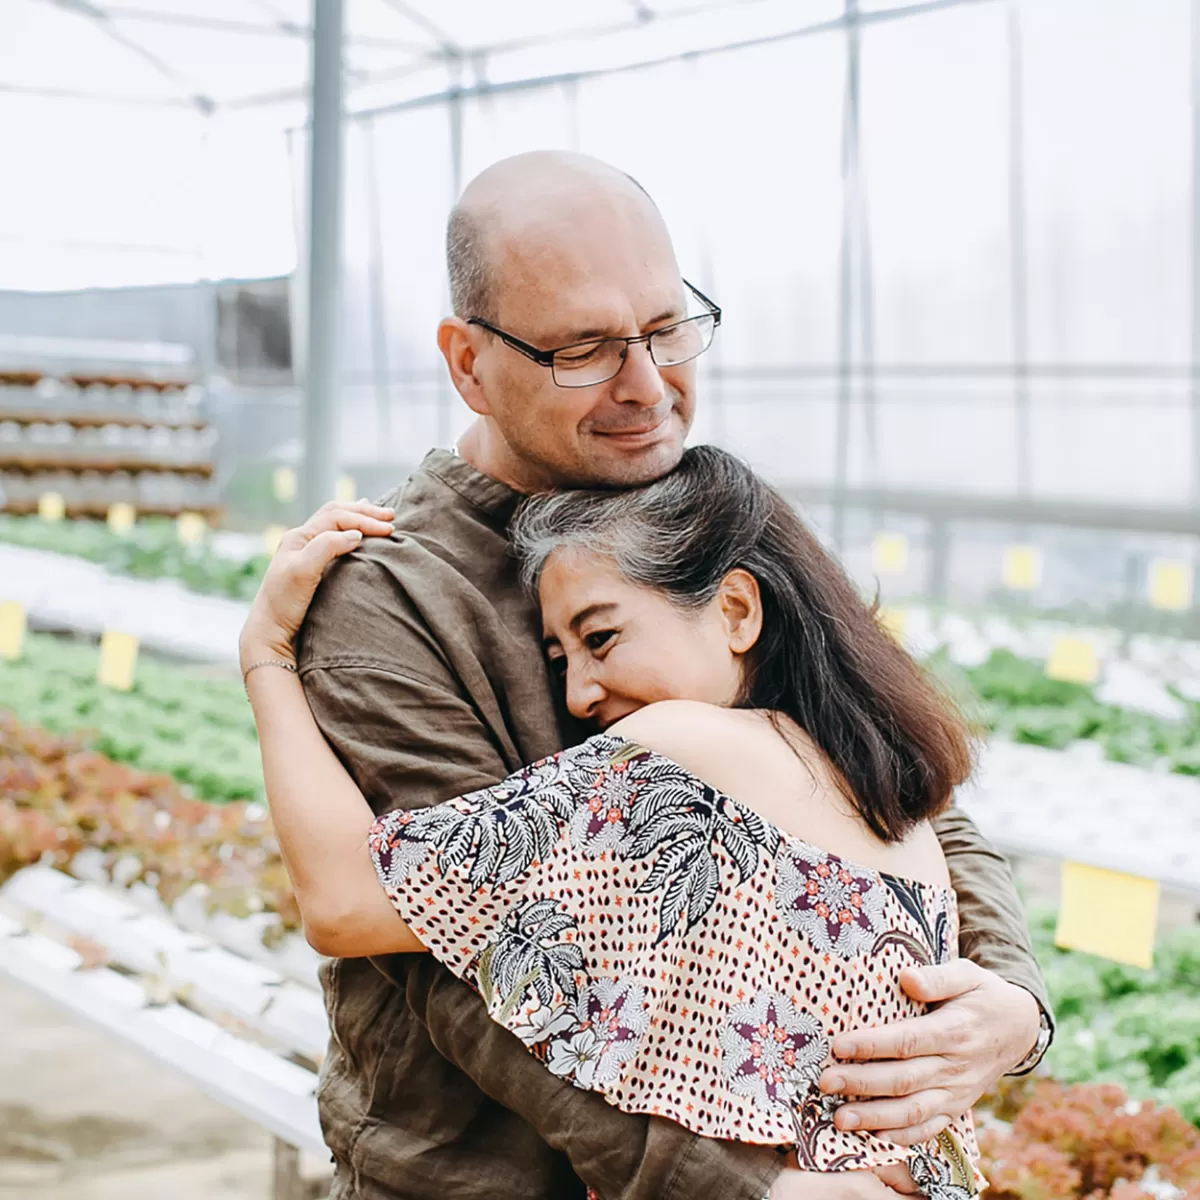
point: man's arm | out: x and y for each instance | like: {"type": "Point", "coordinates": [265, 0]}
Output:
{"type": "Point", "coordinates": [993, 932]}
{"type": "Point", "coordinates": [986, 1014]}
{"type": "Point", "coordinates": [386, 699]}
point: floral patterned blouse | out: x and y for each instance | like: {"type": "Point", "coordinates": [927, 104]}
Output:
{"type": "Point", "coordinates": [651, 939]}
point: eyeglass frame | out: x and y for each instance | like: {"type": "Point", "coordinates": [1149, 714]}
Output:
{"type": "Point", "coordinates": [545, 358]}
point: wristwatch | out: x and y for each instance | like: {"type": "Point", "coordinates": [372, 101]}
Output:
{"type": "Point", "coordinates": [1044, 1037]}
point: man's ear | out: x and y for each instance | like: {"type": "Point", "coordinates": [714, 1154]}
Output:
{"type": "Point", "coordinates": [741, 609]}
{"type": "Point", "coordinates": [456, 340]}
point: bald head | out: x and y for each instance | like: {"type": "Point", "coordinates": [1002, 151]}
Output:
{"type": "Point", "coordinates": [528, 207]}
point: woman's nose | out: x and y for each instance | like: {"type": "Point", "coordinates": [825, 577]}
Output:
{"type": "Point", "coordinates": [584, 693]}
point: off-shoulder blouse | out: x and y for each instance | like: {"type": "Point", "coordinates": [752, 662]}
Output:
{"type": "Point", "coordinates": [654, 940]}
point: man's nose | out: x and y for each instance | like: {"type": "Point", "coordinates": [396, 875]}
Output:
{"type": "Point", "coordinates": [584, 694]}
{"type": "Point", "coordinates": [639, 380]}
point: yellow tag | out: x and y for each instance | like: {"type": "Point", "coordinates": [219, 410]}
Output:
{"type": "Point", "coordinates": [51, 507]}
{"type": "Point", "coordinates": [1022, 568]}
{"type": "Point", "coordinates": [345, 491]}
{"type": "Point", "coordinates": [1073, 660]}
{"type": "Point", "coordinates": [118, 660]}
{"type": "Point", "coordinates": [191, 527]}
{"type": "Point", "coordinates": [272, 536]}
{"type": "Point", "coordinates": [1108, 913]}
{"type": "Point", "coordinates": [890, 553]}
{"type": "Point", "coordinates": [121, 517]}
{"type": "Point", "coordinates": [894, 620]}
{"type": "Point", "coordinates": [12, 630]}
{"type": "Point", "coordinates": [1170, 585]}
{"type": "Point", "coordinates": [285, 483]}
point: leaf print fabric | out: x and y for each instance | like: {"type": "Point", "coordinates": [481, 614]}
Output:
{"type": "Point", "coordinates": [650, 938]}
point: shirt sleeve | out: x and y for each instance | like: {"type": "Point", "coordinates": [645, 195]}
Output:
{"type": "Point", "coordinates": [993, 931]}
{"type": "Point", "coordinates": [410, 737]}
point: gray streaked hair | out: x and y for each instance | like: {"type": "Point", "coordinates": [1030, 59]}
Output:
{"type": "Point", "coordinates": [822, 658]}
{"type": "Point", "coordinates": [624, 526]}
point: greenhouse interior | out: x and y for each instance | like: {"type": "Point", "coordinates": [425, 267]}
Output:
{"type": "Point", "coordinates": [956, 249]}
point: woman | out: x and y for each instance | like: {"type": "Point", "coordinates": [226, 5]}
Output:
{"type": "Point", "coordinates": [684, 910]}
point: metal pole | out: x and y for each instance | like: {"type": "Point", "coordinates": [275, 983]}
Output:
{"type": "Point", "coordinates": [1195, 348]}
{"type": "Point", "coordinates": [1018, 251]}
{"type": "Point", "coordinates": [841, 467]}
{"type": "Point", "coordinates": [378, 291]}
{"type": "Point", "coordinates": [454, 66]}
{"type": "Point", "coordinates": [324, 256]}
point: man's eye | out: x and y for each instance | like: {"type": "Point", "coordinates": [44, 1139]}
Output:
{"type": "Point", "coordinates": [558, 664]}
{"type": "Point", "coordinates": [597, 640]}
{"type": "Point", "coordinates": [581, 354]}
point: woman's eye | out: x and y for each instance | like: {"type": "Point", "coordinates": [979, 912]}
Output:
{"type": "Point", "coordinates": [558, 664]}
{"type": "Point", "coordinates": [598, 640]}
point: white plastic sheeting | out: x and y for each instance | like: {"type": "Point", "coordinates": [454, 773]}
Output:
{"type": "Point", "coordinates": [1027, 169]}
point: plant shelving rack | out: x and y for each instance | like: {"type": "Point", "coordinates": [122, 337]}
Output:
{"type": "Point", "coordinates": [99, 436]}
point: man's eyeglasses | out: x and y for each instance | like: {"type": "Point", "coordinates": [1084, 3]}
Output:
{"type": "Point", "coordinates": [585, 364]}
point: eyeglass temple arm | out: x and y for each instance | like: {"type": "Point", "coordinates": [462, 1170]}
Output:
{"type": "Point", "coordinates": [714, 308]}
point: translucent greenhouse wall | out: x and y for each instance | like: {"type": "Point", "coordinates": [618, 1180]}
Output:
{"type": "Point", "coordinates": [743, 152]}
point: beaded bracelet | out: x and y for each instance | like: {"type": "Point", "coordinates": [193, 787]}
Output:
{"type": "Point", "coordinates": [266, 662]}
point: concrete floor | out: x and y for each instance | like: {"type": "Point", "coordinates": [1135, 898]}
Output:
{"type": "Point", "coordinates": [83, 1117]}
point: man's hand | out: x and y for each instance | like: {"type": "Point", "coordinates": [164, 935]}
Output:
{"type": "Point", "coordinates": [934, 1067]}
{"type": "Point", "coordinates": [887, 1183]}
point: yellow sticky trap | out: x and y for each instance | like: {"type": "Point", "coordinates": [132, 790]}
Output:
{"type": "Point", "coordinates": [894, 620]}
{"type": "Point", "coordinates": [1073, 660]}
{"type": "Point", "coordinates": [12, 630]}
{"type": "Point", "coordinates": [51, 506]}
{"type": "Point", "coordinates": [121, 517]}
{"type": "Point", "coordinates": [272, 536]}
{"type": "Point", "coordinates": [285, 484]}
{"type": "Point", "coordinates": [1108, 913]}
{"type": "Point", "coordinates": [344, 493]}
{"type": "Point", "coordinates": [191, 527]}
{"type": "Point", "coordinates": [1022, 568]}
{"type": "Point", "coordinates": [1170, 585]}
{"type": "Point", "coordinates": [889, 554]}
{"type": "Point", "coordinates": [118, 660]}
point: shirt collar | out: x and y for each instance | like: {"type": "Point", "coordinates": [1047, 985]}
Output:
{"type": "Point", "coordinates": [493, 498]}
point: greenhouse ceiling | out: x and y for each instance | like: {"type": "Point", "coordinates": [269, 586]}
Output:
{"type": "Point", "coordinates": [213, 55]}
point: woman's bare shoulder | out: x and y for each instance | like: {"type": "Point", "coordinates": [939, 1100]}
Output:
{"type": "Point", "coordinates": [698, 736]}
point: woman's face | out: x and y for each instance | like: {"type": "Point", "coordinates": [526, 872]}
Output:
{"type": "Point", "coordinates": [620, 646]}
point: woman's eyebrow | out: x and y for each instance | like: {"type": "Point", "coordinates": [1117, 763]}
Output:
{"type": "Point", "coordinates": [592, 610]}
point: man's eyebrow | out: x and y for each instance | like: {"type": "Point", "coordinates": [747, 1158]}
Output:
{"type": "Point", "coordinates": [592, 610]}
{"type": "Point", "coordinates": [591, 335]}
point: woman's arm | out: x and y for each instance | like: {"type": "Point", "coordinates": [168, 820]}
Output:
{"type": "Point", "coordinates": [321, 818]}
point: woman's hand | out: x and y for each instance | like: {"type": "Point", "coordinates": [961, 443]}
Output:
{"type": "Point", "coordinates": [291, 580]}
{"type": "Point", "coordinates": [844, 1185]}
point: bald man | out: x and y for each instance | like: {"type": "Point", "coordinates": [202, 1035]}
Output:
{"type": "Point", "coordinates": [422, 661]}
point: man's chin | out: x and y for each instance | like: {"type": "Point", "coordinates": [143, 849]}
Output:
{"type": "Point", "coordinates": [626, 462]}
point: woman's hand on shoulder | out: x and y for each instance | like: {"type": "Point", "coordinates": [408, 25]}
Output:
{"type": "Point", "coordinates": [291, 580]}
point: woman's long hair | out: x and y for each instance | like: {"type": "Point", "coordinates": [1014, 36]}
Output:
{"type": "Point", "coordinates": [822, 657]}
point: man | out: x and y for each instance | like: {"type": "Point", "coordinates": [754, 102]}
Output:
{"type": "Point", "coordinates": [422, 663]}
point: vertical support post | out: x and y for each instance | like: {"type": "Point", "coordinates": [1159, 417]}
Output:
{"type": "Point", "coordinates": [378, 295]}
{"type": "Point", "coordinates": [939, 563]}
{"type": "Point", "coordinates": [1018, 251]}
{"type": "Point", "coordinates": [324, 255]}
{"type": "Point", "coordinates": [454, 64]}
{"type": "Point", "coordinates": [846, 284]}
{"type": "Point", "coordinates": [286, 1182]}
{"type": "Point", "coordinates": [1195, 340]}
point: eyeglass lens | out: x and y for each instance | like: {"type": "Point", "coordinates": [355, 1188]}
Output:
{"type": "Point", "coordinates": [597, 362]}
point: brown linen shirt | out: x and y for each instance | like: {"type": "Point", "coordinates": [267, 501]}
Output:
{"type": "Point", "coordinates": [422, 661]}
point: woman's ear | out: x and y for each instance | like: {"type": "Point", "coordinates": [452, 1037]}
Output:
{"type": "Point", "coordinates": [741, 609]}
